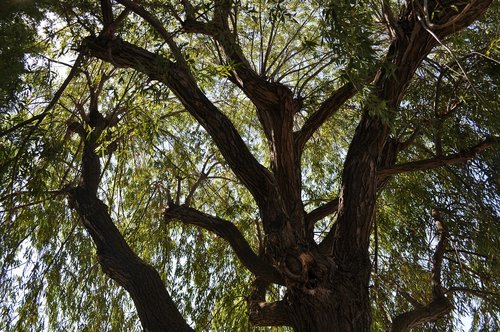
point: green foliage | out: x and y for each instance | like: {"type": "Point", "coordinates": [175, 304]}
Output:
{"type": "Point", "coordinates": [49, 275]}
{"type": "Point", "coordinates": [350, 30]}
{"type": "Point", "coordinates": [18, 22]}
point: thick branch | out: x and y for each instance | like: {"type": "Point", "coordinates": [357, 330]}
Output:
{"type": "Point", "coordinates": [262, 313]}
{"type": "Point", "coordinates": [360, 176]}
{"type": "Point", "coordinates": [326, 110]}
{"type": "Point", "coordinates": [322, 211]}
{"type": "Point", "coordinates": [274, 103]}
{"type": "Point", "coordinates": [109, 30]}
{"type": "Point", "coordinates": [384, 173]}
{"type": "Point", "coordinates": [269, 314]}
{"type": "Point", "coordinates": [456, 158]}
{"type": "Point", "coordinates": [229, 232]}
{"type": "Point", "coordinates": [266, 96]}
{"type": "Point", "coordinates": [107, 13]}
{"type": "Point", "coordinates": [434, 310]}
{"type": "Point", "coordinates": [122, 54]}
{"type": "Point", "coordinates": [155, 307]}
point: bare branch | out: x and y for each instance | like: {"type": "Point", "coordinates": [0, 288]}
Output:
{"type": "Point", "coordinates": [322, 211]}
{"type": "Point", "coordinates": [229, 232]}
{"type": "Point", "coordinates": [456, 158]}
{"type": "Point", "coordinates": [326, 110]}
{"type": "Point", "coordinates": [440, 305]}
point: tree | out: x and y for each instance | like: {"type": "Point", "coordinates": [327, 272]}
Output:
{"type": "Point", "coordinates": [319, 166]}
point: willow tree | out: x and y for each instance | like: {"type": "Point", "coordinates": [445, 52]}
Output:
{"type": "Point", "coordinates": [235, 165]}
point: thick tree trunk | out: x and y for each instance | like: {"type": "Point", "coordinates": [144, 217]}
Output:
{"type": "Point", "coordinates": [319, 298]}
{"type": "Point", "coordinates": [344, 308]}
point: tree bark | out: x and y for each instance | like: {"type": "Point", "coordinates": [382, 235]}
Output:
{"type": "Point", "coordinates": [156, 309]}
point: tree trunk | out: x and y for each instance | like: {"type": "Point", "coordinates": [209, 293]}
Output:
{"type": "Point", "coordinates": [325, 294]}
{"type": "Point", "coordinates": [344, 308]}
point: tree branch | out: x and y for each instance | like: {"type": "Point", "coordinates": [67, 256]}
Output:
{"type": "Point", "coordinates": [485, 295]}
{"type": "Point", "coordinates": [254, 176]}
{"type": "Point", "coordinates": [269, 314]}
{"type": "Point", "coordinates": [155, 307]}
{"type": "Point", "coordinates": [229, 232]}
{"type": "Point", "coordinates": [107, 13]}
{"type": "Point", "coordinates": [409, 298]}
{"type": "Point", "coordinates": [440, 305]}
{"type": "Point", "coordinates": [326, 110]}
{"type": "Point", "coordinates": [456, 158]}
{"type": "Point", "coordinates": [408, 320]}
{"type": "Point", "coordinates": [322, 211]}
{"type": "Point", "coordinates": [266, 96]}
{"type": "Point", "coordinates": [158, 26]}
{"type": "Point", "coordinates": [109, 30]}
{"type": "Point", "coordinates": [262, 313]}
{"type": "Point", "coordinates": [275, 104]}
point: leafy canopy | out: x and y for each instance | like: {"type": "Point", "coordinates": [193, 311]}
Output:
{"type": "Point", "coordinates": [49, 274]}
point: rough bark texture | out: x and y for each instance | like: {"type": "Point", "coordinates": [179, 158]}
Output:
{"type": "Point", "coordinates": [327, 284]}
{"type": "Point", "coordinates": [154, 305]}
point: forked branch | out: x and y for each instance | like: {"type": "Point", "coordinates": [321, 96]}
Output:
{"type": "Point", "coordinates": [229, 232]}
{"type": "Point", "coordinates": [254, 176]}
{"type": "Point", "coordinates": [268, 97]}
{"type": "Point", "coordinates": [156, 309]}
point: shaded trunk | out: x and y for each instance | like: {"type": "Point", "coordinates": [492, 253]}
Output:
{"type": "Point", "coordinates": [343, 308]}
{"type": "Point", "coordinates": [319, 296]}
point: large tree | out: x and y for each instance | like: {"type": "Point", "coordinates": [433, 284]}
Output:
{"type": "Point", "coordinates": [321, 166]}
